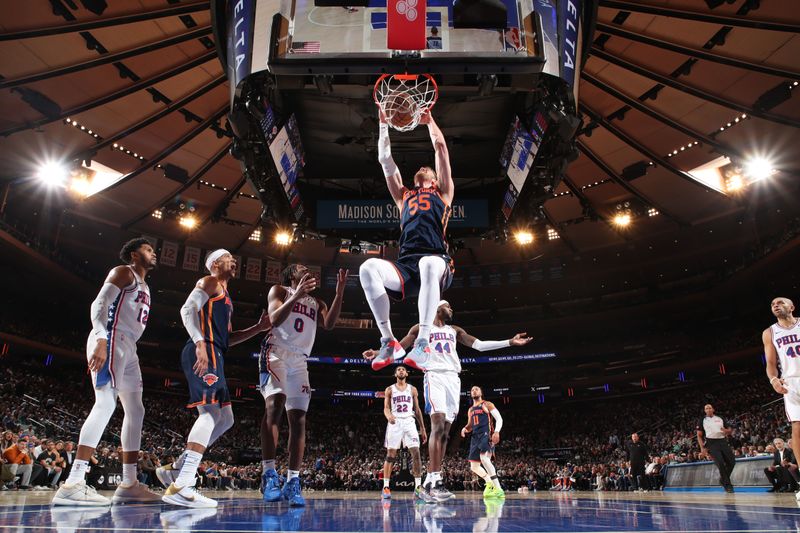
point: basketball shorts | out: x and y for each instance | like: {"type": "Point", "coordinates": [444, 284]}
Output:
{"type": "Point", "coordinates": [407, 267]}
{"type": "Point", "coordinates": [791, 400]}
{"type": "Point", "coordinates": [479, 444]}
{"type": "Point", "coordinates": [287, 374]}
{"type": "Point", "coordinates": [442, 393]}
{"type": "Point", "coordinates": [402, 433]}
{"type": "Point", "coordinates": [121, 368]}
{"type": "Point", "coordinates": [211, 387]}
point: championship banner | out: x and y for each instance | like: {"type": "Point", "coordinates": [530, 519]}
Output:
{"type": "Point", "coordinates": [191, 258]}
{"type": "Point", "coordinates": [253, 270]}
{"type": "Point", "coordinates": [238, 270]}
{"type": "Point", "coordinates": [364, 214]}
{"type": "Point", "coordinates": [405, 24]}
{"type": "Point", "coordinates": [169, 254]}
{"type": "Point", "coordinates": [273, 272]}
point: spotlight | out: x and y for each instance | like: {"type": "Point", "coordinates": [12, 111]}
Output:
{"type": "Point", "coordinates": [283, 238]}
{"type": "Point", "coordinates": [157, 214]}
{"type": "Point", "coordinates": [623, 220]}
{"type": "Point", "coordinates": [552, 234]}
{"type": "Point", "coordinates": [53, 174]}
{"type": "Point", "coordinates": [81, 186]}
{"type": "Point", "coordinates": [188, 222]}
{"type": "Point", "coordinates": [734, 183]}
{"type": "Point", "coordinates": [523, 237]}
{"type": "Point", "coordinates": [652, 212]}
{"type": "Point", "coordinates": [256, 235]}
{"type": "Point", "coordinates": [758, 168]}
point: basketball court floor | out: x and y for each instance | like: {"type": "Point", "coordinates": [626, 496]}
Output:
{"type": "Point", "coordinates": [358, 511]}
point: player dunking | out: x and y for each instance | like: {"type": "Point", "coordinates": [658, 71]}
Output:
{"type": "Point", "coordinates": [283, 369]}
{"type": "Point", "coordinates": [424, 267]}
{"type": "Point", "coordinates": [782, 349]}
{"type": "Point", "coordinates": [119, 315]}
{"type": "Point", "coordinates": [207, 318]}
{"type": "Point", "coordinates": [401, 407]}
{"type": "Point", "coordinates": [443, 388]}
{"type": "Point", "coordinates": [484, 422]}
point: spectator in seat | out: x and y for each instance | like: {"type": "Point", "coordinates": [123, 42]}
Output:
{"type": "Point", "coordinates": [782, 474]}
{"type": "Point", "coordinates": [17, 462]}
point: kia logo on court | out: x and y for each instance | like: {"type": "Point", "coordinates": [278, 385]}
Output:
{"type": "Point", "coordinates": [407, 8]}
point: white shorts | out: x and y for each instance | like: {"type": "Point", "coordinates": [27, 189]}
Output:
{"type": "Point", "coordinates": [287, 374]}
{"type": "Point", "coordinates": [402, 433]}
{"type": "Point", "coordinates": [791, 400]}
{"type": "Point", "coordinates": [121, 368]}
{"type": "Point", "coordinates": [442, 393]}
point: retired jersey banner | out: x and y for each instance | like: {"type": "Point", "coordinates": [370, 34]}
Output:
{"type": "Point", "coordinates": [191, 258]}
{"type": "Point", "coordinates": [168, 255]}
{"type": "Point", "coordinates": [273, 272]}
{"type": "Point", "coordinates": [253, 270]}
{"type": "Point", "coordinates": [348, 214]}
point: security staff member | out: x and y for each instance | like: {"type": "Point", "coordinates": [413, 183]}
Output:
{"type": "Point", "coordinates": [712, 433]}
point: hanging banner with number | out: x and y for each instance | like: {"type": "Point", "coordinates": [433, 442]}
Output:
{"type": "Point", "coordinates": [169, 254]}
{"type": "Point", "coordinates": [191, 258]}
{"type": "Point", "coordinates": [273, 272]}
{"type": "Point", "coordinates": [253, 272]}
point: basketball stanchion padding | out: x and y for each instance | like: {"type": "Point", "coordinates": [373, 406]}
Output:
{"type": "Point", "coordinates": [404, 98]}
{"type": "Point", "coordinates": [405, 24]}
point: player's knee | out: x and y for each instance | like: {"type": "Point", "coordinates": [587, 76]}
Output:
{"type": "Point", "coordinates": [225, 421]}
{"type": "Point", "coordinates": [390, 458]}
{"type": "Point", "coordinates": [367, 272]}
{"type": "Point", "coordinates": [431, 265]}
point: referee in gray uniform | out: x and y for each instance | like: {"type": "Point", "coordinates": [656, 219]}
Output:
{"type": "Point", "coordinates": [712, 433]}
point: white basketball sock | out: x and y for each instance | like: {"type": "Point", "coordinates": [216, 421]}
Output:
{"type": "Point", "coordinates": [189, 469]}
{"type": "Point", "coordinates": [128, 474]}
{"type": "Point", "coordinates": [267, 464]}
{"type": "Point", "coordinates": [78, 472]}
{"type": "Point", "coordinates": [292, 474]}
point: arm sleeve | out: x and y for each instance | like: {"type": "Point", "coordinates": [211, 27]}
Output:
{"type": "Point", "coordinates": [485, 346]}
{"type": "Point", "coordinates": [190, 313]}
{"type": "Point", "coordinates": [99, 310]}
{"type": "Point", "coordinates": [385, 151]}
{"type": "Point", "coordinates": [498, 420]}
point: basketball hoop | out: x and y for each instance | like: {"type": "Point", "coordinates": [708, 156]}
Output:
{"type": "Point", "coordinates": [404, 98]}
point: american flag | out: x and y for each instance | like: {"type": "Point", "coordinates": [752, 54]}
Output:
{"type": "Point", "coordinates": [305, 47]}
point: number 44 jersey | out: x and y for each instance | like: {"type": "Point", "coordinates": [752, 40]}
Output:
{"type": "Point", "coordinates": [298, 331]}
{"type": "Point", "coordinates": [442, 343]}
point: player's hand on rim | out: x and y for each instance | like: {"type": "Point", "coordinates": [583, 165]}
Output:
{"type": "Point", "coordinates": [426, 117]}
{"type": "Point", "coordinates": [520, 339]}
{"type": "Point", "coordinates": [99, 355]}
{"type": "Point", "coordinates": [201, 364]}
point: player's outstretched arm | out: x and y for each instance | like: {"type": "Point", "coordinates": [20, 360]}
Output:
{"type": "Point", "coordinates": [520, 339]}
{"type": "Point", "coordinates": [446, 185]}
{"type": "Point", "coordinates": [331, 314]}
{"type": "Point", "coordinates": [772, 363]}
{"type": "Point", "coordinates": [118, 278]}
{"type": "Point", "coordinates": [242, 335]}
{"type": "Point", "coordinates": [394, 181]}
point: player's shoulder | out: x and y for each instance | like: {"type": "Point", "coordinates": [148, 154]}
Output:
{"type": "Point", "coordinates": [121, 275]}
{"type": "Point", "coordinates": [388, 390]}
{"type": "Point", "coordinates": [210, 284]}
{"type": "Point", "coordinates": [488, 406]}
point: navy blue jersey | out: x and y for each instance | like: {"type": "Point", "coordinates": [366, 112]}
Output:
{"type": "Point", "coordinates": [482, 420]}
{"type": "Point", "coordinates": [215, 323]}
{"type": "Point", "coordinates": [423, 221]}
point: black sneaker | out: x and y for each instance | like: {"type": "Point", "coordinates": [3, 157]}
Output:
{"type": "Point", "coordinates": [440, 493]}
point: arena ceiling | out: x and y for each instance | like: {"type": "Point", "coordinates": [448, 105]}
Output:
{"type": "Point", "coordinates": [668, 87]}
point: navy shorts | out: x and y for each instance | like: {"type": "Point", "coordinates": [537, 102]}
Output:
{"type": "Point", "coordinates": [479, 444]}
{"type": "Point", "coordinates": [407, 267]}
{"type": "Point", "coordinates": [211, 387]}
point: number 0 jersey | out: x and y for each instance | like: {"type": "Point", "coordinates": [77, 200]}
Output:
{"type": "Point", "coordinates": [298, 331]}
{"type": "Point", "coordinates": [787, 344]}
{"type": "Point", "coordinates": [423, 221]}
{"type": "Point", "coordinates": [402, 402]}
{"type": "Point", "coordinates": [444, 357]}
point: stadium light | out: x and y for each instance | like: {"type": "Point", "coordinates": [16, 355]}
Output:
{"type": "Point", "coordinates": [734, 183]}
{"type": "Point", "coordinates": [623, 220]}
{"type": "Point", "coordinates": [283, 238]}
{"type": "Point", "coordinates": [523, 237]}
{"type": "Point", "coordinates": [758, 168]}
{"type": "Point", "coordinates": [188, 222]}
{"type": "Point", "coordinates": [53, 174]}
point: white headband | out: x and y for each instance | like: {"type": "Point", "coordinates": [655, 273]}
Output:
{"type": "Point", "coordinates": [441, 303]}
{"type": "Point", "coordinates": [213, 256]}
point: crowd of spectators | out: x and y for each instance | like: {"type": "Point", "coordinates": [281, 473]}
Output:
{"type": "Point", "coordinates": [41, 415]}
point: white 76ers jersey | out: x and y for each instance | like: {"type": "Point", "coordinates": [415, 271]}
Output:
{"type": "Point", "coordinates": [402, 402]}
{"type": "Point", "coordinates": [298, 331]}
{"type": "Point", "coordinates": [442, 343]}
{"type": "Point", "coordinates": [787, 344]}
{"type": "Point", "coordinates": [130, 310]}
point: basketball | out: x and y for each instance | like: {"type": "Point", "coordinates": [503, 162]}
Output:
{"type": "Point", "coordinates": [399, 109]}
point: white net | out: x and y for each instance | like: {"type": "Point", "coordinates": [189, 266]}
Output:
{"type": "Point", "coordinates": [404, 98]}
